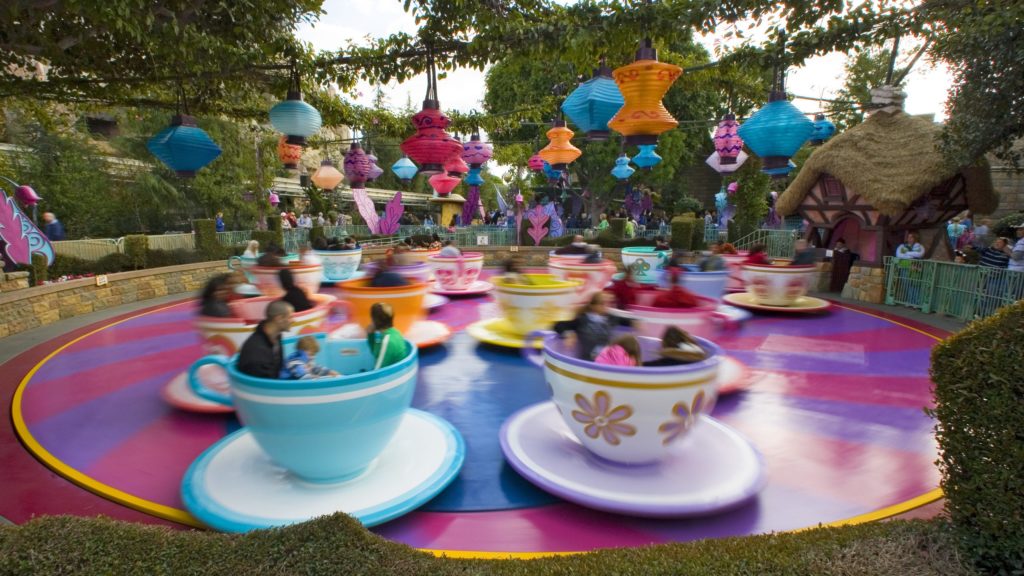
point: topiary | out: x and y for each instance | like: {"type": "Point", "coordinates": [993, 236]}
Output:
{"type": "Point", "coordinates": [207, 243]}
{"type": "Point", "coordinates": [314, 233]}
{"type": "Point", "coordinates": [698, 242]}
{"type": "Point", "coordinates": [1005, 226]}
{"type": "Point", "coordinates": [135, 247]}
{"type": "Point", "coordinates": [978, 392]}
{"type": "Point", "coordinates": [274, 226]}
{"type": "Point", "coordinates": [110, 264]}
{"type": "Point", "coordinates": [616, 228]}
{"type": "Point", "coordinates": [682, 232]}
{"type": "Point", "coordinates": [38, 270]}
{"type": "Point", "coordinates": [266, 238]}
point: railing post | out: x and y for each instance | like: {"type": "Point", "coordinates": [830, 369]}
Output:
{"type": "Point", "coordinates": [889, 264]}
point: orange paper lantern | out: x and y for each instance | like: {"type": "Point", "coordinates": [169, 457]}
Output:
{"type": "Point", "coordinates": [327, 176]}
{"type": "Point", "coordinates": [289, 154]}
{"type": "Point", "coordinates": [559, 152]}
{"type": "Point", "coordinates": [643, 84]}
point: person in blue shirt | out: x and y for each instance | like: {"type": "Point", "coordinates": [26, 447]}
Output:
{"type": "Point", "coordinates": [220, 221]}
{"type": "Point", "coordinates": [54, 230]}
{"type": "Point", "coordinates": [300, 364]}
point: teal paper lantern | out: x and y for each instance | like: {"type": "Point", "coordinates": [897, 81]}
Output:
{"type": "Point", "coordinates": [775, 133]}
{"type": "Point", "coordinates": [551, 173]}
{"type": "Point", "coordinates": [593, 103]}
{"type": "Point", "coordinates": [405, 169]}
{"type": "Point", "coordinates": [647, 157]}
{"type": "Point", "coordinates": [295, 119]}
{"type": "Point", "coordinates": [823, 130]}
{"type": "Point", "coordinates": [183, 146]}
{"type": "Point", "coordinates": [474, 178]}
{"type": "Point", "coordinates": [622, 169]}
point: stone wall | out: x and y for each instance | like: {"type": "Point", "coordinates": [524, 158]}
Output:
{"type": "Point", "coordinates": [11, 281]}
{"type": "Point", "coordinates": [1010, 187]}
{"type": "Point", "coordinates": [30, 308]}
{"type": "Point", "coordinates": [865, 284]}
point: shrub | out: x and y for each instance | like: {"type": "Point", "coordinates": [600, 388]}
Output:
{"type": "Point", "coordinates": [606, 240]}
{"type": "Point", "coordinates": [978, 394]}
{"type": "Point", "coordinates": [682, 232]}
{"type": "Point", "coordinates": [135, 247]}
{"type": "Point", "coordinates": [698, 242]}
{"type": "Point", "coordinates": [38, 271]}
{"type": "Point", "coordinates": [733, 232]}
{"type": "Point", "coordinates": [314, 233]}
{"type": "Point", "coordinates": [332, 217]}
{"type": "Point", "coordinates": [265, 238]}
{"type": "Point", "coordinates": [616, 227]}
{"type": "Point", "coordinates": [1003, 226]}
{"type": "Point", "coordinates": [206, 239]}
{"type": "Point", "coordinates": [161, 258]}
{"type": "Point", "coordinates": [274, 226]}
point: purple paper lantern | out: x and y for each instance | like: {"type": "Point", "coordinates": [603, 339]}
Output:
{"type": "Point", "coordinates": [728, 143]}
{"type": "Point", "coordinates": [357, 166]}
{"type": "Point", "coordinates": [476, 152]}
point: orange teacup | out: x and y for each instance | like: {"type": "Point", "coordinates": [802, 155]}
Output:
{"type": "Point", "coordinates": [406, 301]}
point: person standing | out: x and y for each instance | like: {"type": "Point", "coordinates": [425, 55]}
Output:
{"type": "Point", "coordinates": [262, 354]}
{"type": "Point", "coordinates": [1017, 254]}
{"type": "Point", "coordinates": [54, 230]}
{"type": "Point", "coordinates": [220, 221]}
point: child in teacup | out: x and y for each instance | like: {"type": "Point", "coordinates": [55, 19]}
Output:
{"type": "Point", "coordinates": [386, 342]}
{"type": "Point", "coordinates": [623, 351]}
{"type": "Point", "coordinates": [300, 366]}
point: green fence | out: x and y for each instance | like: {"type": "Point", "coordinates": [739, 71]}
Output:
{"type": "Point", "coordinates": [963, 291]}
{"type": "Point", "coordinates": [778, 243]}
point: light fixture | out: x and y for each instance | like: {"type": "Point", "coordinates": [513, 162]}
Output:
{"type": "Point", "coordinates": [643, 84]}
{"type": "Point", "coordinates": [476, 152]}
{"type": "Point", "coordinates": [183, 146]}
{"type": "Point", "coordinates": [357, 166]}
{"type": "Point", "coordinates": [647, 158]}
{"type": "Point", "coordinates": [535, 163]}
{"type": "Point", "coordinates": [593, 103]}
{"type": "Point", "coordinates": [622, 169]}
{"type": "Point", "coordinates": [431, 146]}
{"type": "Point", "coordinates": [823, 130]}
{"type": "Point", "coordinates": [293, 117]}
{"type": "Point", "coordinates": [327, 176]}
{"type": "Point", "coordinates": [443, 184]}
{"type": "Point", "coordinates": [728, 144]}
{"type": "Point", "coordinates": [559, 152]}
{"type": "Point", "coordinates": [404, 169]}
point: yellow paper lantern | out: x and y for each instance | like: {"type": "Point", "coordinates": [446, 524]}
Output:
{"type": "Point", "coordinates": [559, 152]}
{"type": "Point", "coordinates": [327, 176]}
{"type": "Point", "coordinates": [643, 84]}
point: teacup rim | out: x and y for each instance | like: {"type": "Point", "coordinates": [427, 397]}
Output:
{"type": "Point", "coordinates": [643, 249]}
{"type": "Point", "coordinates": [798, 267]}
{"type": "Point", "coordinates": [463, 256]}
{"type": "Point", "coordinates": [332, 252]}
{"type": "Point", "coordinates": [714, 358]}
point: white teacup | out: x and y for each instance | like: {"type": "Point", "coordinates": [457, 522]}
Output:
{"type": "Point", "coordinates": [777, 285]}
{"type": "Point", "coordinates": [268, 280]}
{"type": "Point", "coordinates": [455, 273]}
{"type": "Point", "coordinates": [339, 264]}
{"type": "Point", "coordinates": [593, 277]}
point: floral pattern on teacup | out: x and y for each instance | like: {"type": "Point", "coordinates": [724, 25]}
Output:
{"type": "Point", "coordinates": [600, 419]}
{"type": "Point", "coordinates": [684, 417]}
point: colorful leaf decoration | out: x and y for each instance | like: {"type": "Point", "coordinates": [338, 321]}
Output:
{"type": "Point", "coordinates": [21, 236]}
{"type": "Point", "coordinates": [366, 209]}
{"type": "Point", "coordinates": [537, 218]}
{"type": "Point", "coordinates": [392, 215]}
{"type": "Point", "coordinates": [469, 209]}
{"type": "Point", "coordinates": [557, 229]}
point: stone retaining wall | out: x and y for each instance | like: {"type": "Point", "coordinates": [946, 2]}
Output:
{"type": "Point", "coordinates": [865, 284]}
{"type": "Point", "coordinates": [11, 281]}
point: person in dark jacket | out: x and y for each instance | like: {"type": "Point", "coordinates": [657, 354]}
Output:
{"type": "Point", "coordinates": [578, 246]}
{"type": "Point", "coordinates": [215, 296]}
{"type": "Point", "coordinates": [53, 229]}
{"type": "Point", "coordinates": [262, 355]}
{"type": "Point", "coordinates": [293, 294]}
{"type": "Point", "coordinates": [591, 328]}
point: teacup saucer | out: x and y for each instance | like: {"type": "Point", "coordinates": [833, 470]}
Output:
{"type": "Point", "coordinates": [355, 276]}
{"type": "Point", "coordinates": [475, 289]}
{"type": "Point", "coordinates": [802, 305]}
{"type": "Point", "coordinates": [433, 301]}
{"type": "Point", "coordinates": [179, 394]}
{"type": "Point", "coordinates": [498, 331]}
{"type": "Point", "coordinates": [423, 333]}
{"type": "Point", "coordinates": [711, 470]}
{"type": "Point", "coordinates": [734, 376]}
{"type": "Point", "coordinates": [234, 486]}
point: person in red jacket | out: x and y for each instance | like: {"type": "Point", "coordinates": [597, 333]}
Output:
{"type": "Point", "coordinates": [676, 296]}
{"type": "Point", "coordinates": [757, 255]}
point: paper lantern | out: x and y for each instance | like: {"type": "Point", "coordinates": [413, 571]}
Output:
{"type": "Point", "coordinates": [26, 195]}
{"type": "Point", "coordinates": [823, 130]}
{"type": "Point", "coordinates": [476, 152]}
{"type": "Point", "coordinates": [273, 199]}
{"type": "Point", "coordinates": [374, 173]}
{"type": "Point", "coordinates": [593, 103]}
{"type": "Point", "coordinates": [535, 163]}
{"type": "Point", "coordinates": [404, 169]}
{"type": "Point", "coordinates": [643, 84]}
{"type": "Point", "coordinates": [327, 176]}
{"type": "Point", "coordinates": [295, 118]}
{"type": "Point", "coordinates": [715, 161]}
{"type": "Point", "coordinates": [431, 146]}
{"type": "Point", "coordinates": [728, 144]}
{"type": "Point", "coordinates": [647, 157]}
{"type": "Point", "coordinates": [559, 152]}
{"type": "Point", "coordinates": [443, 184]}
{"type": "Point", "coordinates": [474, 178]}
{"type": "Point", "coordinates": [288, 154]}
{"type": "Point", "coordinates": [183, 146]}
{"type": "Point", "coordinates": [551, 174]}
{"type": "Point", "coordinates": [775, 133]}
{"type": "Point", "coordinates": [456, 166]}
{"type": "Point", "coordinates": [622, 169]}
{"type": "Point", "coordinates": [357, 166]}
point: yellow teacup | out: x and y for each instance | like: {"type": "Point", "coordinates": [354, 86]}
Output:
{"type": "Point", "coordinates": [536, 303]}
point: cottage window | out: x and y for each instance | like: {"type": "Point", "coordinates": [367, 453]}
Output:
{"type": "Point", "coordinates": [832, 187]}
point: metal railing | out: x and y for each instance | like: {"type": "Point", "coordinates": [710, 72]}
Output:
{"type": "Point", "coordinates": [778, 243]}
{"type": "Point", "coordinates": [88, 249]}
{"type": "Point", "coordinates": [172, 242]}
{"type": "Point", "coordinates": [963, 291]}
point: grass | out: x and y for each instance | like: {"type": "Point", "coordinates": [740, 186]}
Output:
{"type": "Point", "coordinates": [339, 545]}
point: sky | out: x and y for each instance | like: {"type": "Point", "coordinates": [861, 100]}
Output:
{"type": "Point", "coordinates": [352, 21]}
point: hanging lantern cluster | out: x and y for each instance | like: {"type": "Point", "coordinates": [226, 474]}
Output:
{"type": "Point", "coordinates": [622, 169]}
{"type": "Point", "coordinates": [183, 146]}
{"type": "Point", "coordinates": [404, 169]}
{"type": "Point", "coordinates": [559, 152]}
{"type": "Point", "coordinates": [431, 146]}
{"type": "Point", "coordinates": [357, 166]}
{"type": "Point", "coordinates": [823, 130]}
{"type": "Point", "coordinates": [593, 104]}
{"type": "Point", "coordinates": [327, 177]}
{"type": "Point", "coordinates": [643, 84]}
{"type": "Point", "coordinates": [550, 172]}
{"type": "Point", "coordinates": [728, 155]}
{"type": "Point", "coordinates": [647, 158]}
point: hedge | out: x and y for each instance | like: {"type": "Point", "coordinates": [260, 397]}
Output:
{"type": "Point", "coordinates": [1004, 226]}
{"type": "Point", "coordinates": [135, 247]}
{"type": "Point", "coordinates": [206, 239]}
{"type": "Point", "coordinates": [682, 232]}
{"type": "Point", "coordinates": [274, 225]}
{"type": "Point", "coordinates": [616, 228]}
{"type": "Point", "coordinates": [339, 545]}
{"type": "Point", "coordinates": [265, 238]}
{"type": "Point", "coordinates": [698, 242]}
{"type": "Point", "coordinates": [314, 233]}
{"type": "Point", "coordinates": [979, 396]}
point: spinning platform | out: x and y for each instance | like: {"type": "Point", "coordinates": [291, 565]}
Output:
{"type": "Point", "coordinates": [834, 406]}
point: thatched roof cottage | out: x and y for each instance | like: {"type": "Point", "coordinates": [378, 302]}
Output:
{"type": "Point", "coordinates": [875, 182]}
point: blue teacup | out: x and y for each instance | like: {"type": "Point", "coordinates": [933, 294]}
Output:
{"type": "Point", "coordinates": [323, 429]}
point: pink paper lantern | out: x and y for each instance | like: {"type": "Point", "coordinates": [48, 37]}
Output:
{"type": "Point", "coordinates": [357, 166]}
{"type": "Point", "coordinates": [476, 152]}
{"type": "Point", "coordinates": [536, 163]}
{"type": "Point", "coordinates": [456, 166]}
{"type": "Point", "coordinates": [443, 184]}
{"type": "Point", "coordinates": [274, 200]}
{"type": "Point", "coordinates": [26, 195]}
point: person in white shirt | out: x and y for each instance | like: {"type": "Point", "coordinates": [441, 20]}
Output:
{"type": "Point", "coordinates": [1017, 255]}
{"type": "Point", "coordinates": [320, 219]}
{"type": "Point", "coordinates": [285, 225]}
{"type": "Point", "coordinates": [450, 250]}
{"type": "Point", "coordinates": [911, 249]}
{"type": "Point", "coordinates": [305, 221]}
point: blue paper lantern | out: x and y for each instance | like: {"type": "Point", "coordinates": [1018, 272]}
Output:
{"type": "Point", "coordinates": [775, 133]}
{"type": "Point", "coordinates": [474, 178]}
{"type": "Point", "coordinates": [823, 130]}
{"type": "Point", "coordinates": [593, 103]}
{"type": "Point", "coordinates": [551, 173]}
{"type": "Point", "coordinates": [295, 119]}
{"type": "Point", "coordinates": [183, 146]}
{"type": "Point", "coordinates": [405, 169]}
{"type": "Point", "coordinates": [622, 169]}
{"type": "Point", "coordinates": [647, 156]}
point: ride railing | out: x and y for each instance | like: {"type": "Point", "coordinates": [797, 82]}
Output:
{"type": "Point", "coordinates": [963, 291]}
{"type": "Point", "coordinates": [778, 243]}
{"type": "Point", "coordinates": [172, 242]}
{"type": "Point", "coordinates": [88, 249]}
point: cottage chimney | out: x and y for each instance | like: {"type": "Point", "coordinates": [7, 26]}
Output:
{"type": "Point", "coordinates": [887, 99]}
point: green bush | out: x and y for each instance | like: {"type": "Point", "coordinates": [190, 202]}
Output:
{"type": "Point", "coordinates": [274, 226]}
{"type": "Point", "coordinates": [265, 238]}
{"type": "Point", "coordinates": [332, 216]}
{"type": "Point", "coordinates": [606, 240]}
{"type": "Point", "coordinates": [616, 227]}
{"type": "Point", "coordinates": [135, 247]}
{"type": "Point", "coordinates": [682, 232]}
{"type": "Point", "coordinates": [207, 243]}
{"type": "Point", "coordinates": [39, 270]}
{"type": "Point", "coordinates": [161, 258]}
{"type": "Point", "coordinates": [1004, 226]}
{"type": "Point", "coordinates": [732, 232]}
{"type": "Point", "coordinates": [314, 233]}
{"type": "Point", "coordinates": [698, 242]}
{"type": "Point", "coordinates": [979, 397]}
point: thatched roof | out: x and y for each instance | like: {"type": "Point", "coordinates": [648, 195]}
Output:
{"type": "Point", "coordinates": [890, 160]}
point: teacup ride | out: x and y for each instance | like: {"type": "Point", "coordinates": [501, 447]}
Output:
{"type": "Point", "coordinates": [459, 275]}
{"type": "Point", "coordinates": [593, 277]}
{"type": "Point", "coordinates": [244, 263]}
{"type": "Point", "coordinates": [734, 263]}
{"type": "Point", "coordinates": [778, 288]}
{"type": "Point", "coordinates": [406, 302]}
{"type": "Point", "coordinates": [536, 304]}
{"type": "Point", "coordinates": [317, 446]}
{"type": "Point", "coordinates": [552, 254]}
{"type": "Point", "coordinates": [306, 276]}
{"type": "Point", "coordinates": [340, 265]}
{"type": "Point", "coordinates": [632, 440]}
{"type": "Point", "coordinates": [417, 272]}
{"type": "Point", "coordinates": [421, 255]}
{"type": "Point", "coordinates": [646, 262]}
{"type": "Point", "coordinates": [226, 335]}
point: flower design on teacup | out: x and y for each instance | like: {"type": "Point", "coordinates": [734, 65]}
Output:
{"type": "Point", "coordinates": [684, 417]}
{"type": "Point", "coordinates": [219, 344]}
{"type": "Point", "coordinates": [795, 287]}
{"type": "Point", "coordinates": [640, 267]}
{"type": "Point", "coordinates": [759, 286]}
{"type": "Point", "coordinates": [446, 278]}
{"type": "Point", "coordinates": [600, 419]}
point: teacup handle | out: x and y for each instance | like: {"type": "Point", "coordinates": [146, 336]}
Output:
{"type": "Point", "coordinates": [726, 321]}
{"type": "Point", "coordinates": [197, 385]}
{"type": "Point", "coordinates": [533, 355]}
{"type": "Point", "coordinates": [234, 263]}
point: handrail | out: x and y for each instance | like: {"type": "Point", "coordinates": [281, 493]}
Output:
{"type": "Point", "coordinates": [964, 291]}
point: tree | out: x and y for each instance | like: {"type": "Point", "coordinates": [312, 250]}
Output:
{"type": "Point", "coordinates": [865, 70]}
{"type": "Point", "coordinates": [751, 197]}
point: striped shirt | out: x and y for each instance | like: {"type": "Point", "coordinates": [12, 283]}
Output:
{"type": "Point", "coordinates": [994, 258]}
